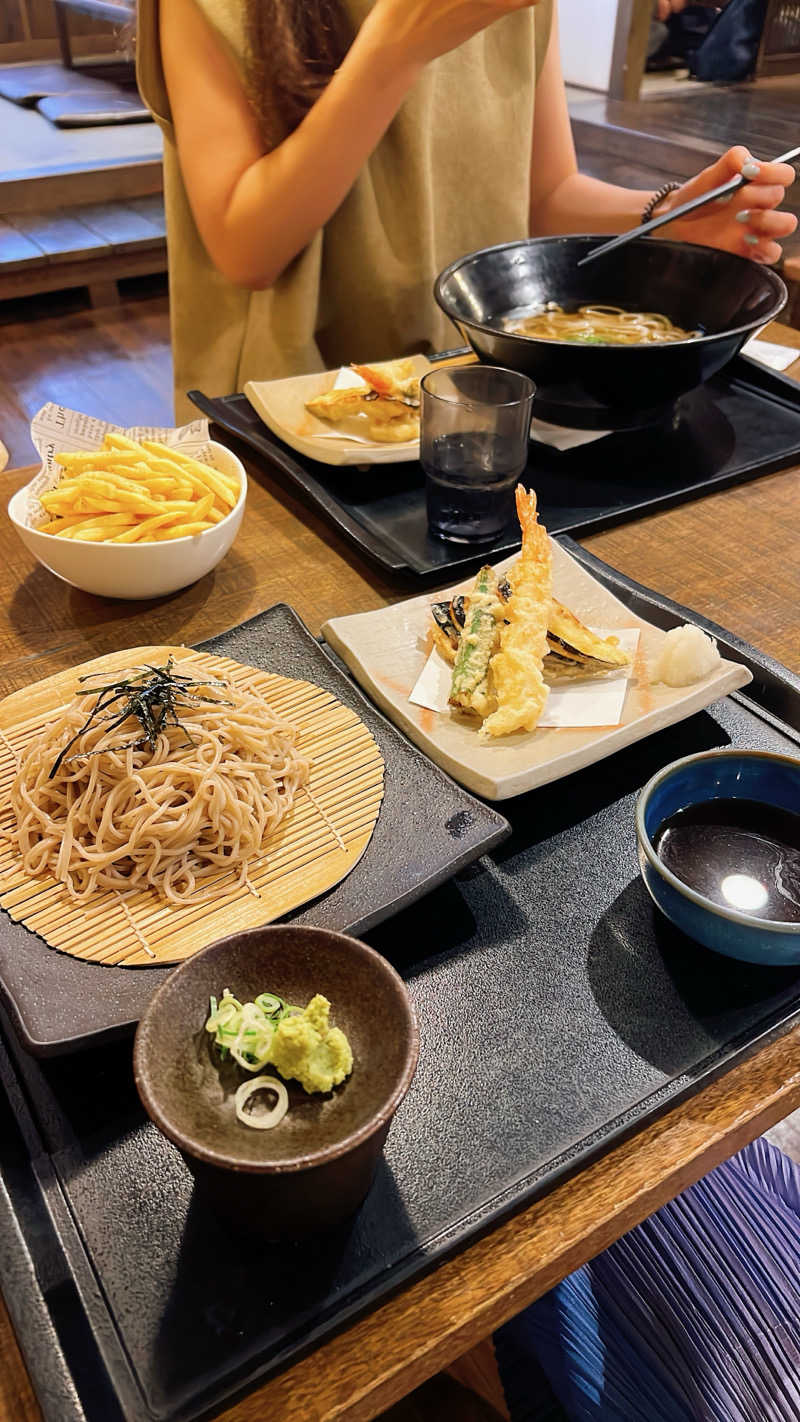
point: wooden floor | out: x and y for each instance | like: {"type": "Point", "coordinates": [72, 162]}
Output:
{"type": "Point", "coordinates": [116, 364]}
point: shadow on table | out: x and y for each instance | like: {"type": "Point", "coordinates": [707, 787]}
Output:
{"type": "Point", "coordinates": [238, 1299]}
{"type": "Point", "coordinates": [46, 613]}
{"type": "Point", "coordinates": [671, 1000]}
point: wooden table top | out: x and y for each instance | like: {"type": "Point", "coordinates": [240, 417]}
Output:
{"type": "Point", "coordinates": [734, 557]}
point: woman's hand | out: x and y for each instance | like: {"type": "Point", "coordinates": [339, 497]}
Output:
{"type": "Point", "coordinates": [417, 31]}
{"type": "Point", "coordinates": [745, 222]}
{"type": "Point", "coordinates": [665, 8]}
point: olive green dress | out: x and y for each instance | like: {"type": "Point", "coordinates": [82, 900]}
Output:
{"type": "Point", "coordinates": [451, 174]}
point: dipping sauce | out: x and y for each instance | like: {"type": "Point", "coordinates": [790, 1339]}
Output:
{"type": "Point", "coordinates": [740, 854]}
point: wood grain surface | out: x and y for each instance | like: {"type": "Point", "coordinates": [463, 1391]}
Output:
{"type": "Point", "coordinates": [732, 557]}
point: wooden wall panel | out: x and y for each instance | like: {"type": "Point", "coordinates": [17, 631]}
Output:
{"type": "Point", "coordinates": [41, 17]}
{"type": "Point", "coordinates": [13, 22]}
{"type": "Point", "coordinates": [28, 31]}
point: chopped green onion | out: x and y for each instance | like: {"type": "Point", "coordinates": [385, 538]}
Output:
{"type": "Point", "coordinates": [262, 1120]}
{"type": "Point", "coordinates": [269, 1003]}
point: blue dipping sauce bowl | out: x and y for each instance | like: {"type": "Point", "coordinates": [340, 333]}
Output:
{"type": "Point", "coordinates": [714, 775]}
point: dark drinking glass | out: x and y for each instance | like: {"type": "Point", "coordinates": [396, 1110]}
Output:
{"type": "Point", "coordinates": [475, 423]}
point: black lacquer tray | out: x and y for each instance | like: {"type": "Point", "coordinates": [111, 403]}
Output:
{"type": "Point", "coordinates": [743, 423]}
{"type": "Point", "coordinates": [558, 1012]}
{"type": "Point", "coordinates": [427, 829]}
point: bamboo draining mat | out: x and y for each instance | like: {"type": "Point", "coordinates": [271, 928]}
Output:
{"type": "Point", "coordinates": [315, 846]}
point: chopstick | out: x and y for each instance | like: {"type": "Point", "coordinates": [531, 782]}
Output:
{"type": "Point", "coordinates": [732, 186]}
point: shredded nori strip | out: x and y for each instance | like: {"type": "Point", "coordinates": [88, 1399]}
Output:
{"type": "Point", "coordinates": [153, 696]}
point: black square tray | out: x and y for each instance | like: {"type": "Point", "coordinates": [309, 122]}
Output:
{"type": "Point", "coordinates": [428, 828]}
{"type": "Point", "coordinates": [743, 423]}
{"type": "Point", "coordinates": [558, 1012]}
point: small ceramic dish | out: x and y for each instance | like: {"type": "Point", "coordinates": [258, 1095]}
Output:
{"type": "Point", "coordinates": [754, 776]}
{"type": "Point", "coordinates": [313, 1170]}
{"type": "Point", "coordinates": [387, 651]}
{"type": "Point", "coordinates": [135, 570]}
{"type": "Point", "coordinates": [281, 404]}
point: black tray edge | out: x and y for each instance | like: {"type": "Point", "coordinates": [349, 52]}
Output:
{"type": "Point", "coordinates": [284, 469]}
{"type": "Point", "coordinates": [282, 457]}
{"type": "Point", "coordinates": [763, 380]}
{"type": "Point", "coordinates": [25, 1277]}
{"type": "Point", "coordinates": [624, 1126]}
{"type": "Point", "coordinates": [489, 840]}
{"type": "Point", "coordinates": [750, 375]}
{"type": "Point", "coordinates": [418, 1263]}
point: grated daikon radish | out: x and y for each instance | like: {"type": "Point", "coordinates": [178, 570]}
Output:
{"type": "Point", "coordinates": [688, 655]}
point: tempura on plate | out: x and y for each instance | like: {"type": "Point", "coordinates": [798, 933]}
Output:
{"type": "Point", "coordinates": [508, 640]}
{"type": "Point", "coordinates": [470, 686]}
{"type": "Point", "coordinates": [386, 405]}
{"type": "Point", "coordinates": [516, 668]}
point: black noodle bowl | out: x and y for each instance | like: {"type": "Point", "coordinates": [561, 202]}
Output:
{"type": "Point", "coordinates": [603, 386]}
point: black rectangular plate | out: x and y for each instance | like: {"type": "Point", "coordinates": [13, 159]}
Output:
{"type": "Point", "coordinates": [558, 1013]}
{"type": "Point", "coordinates": [743, 423]}
{"type": "Point", "coordinates": [427, 829]}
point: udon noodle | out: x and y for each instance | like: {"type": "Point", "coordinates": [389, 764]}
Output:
{"type": "Point", "coordinates": [184, 818]}
{"type": "Point", "coordinates": [598, 325]}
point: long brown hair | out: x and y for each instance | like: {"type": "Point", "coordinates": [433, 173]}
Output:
{"type": "Point", "coordinates": [294, 48]}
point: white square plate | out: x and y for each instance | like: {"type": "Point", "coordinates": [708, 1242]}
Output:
{"type": "Point", "coordinates": [387, 649]}
{"type": "Point", "coordinates": [281, 404]}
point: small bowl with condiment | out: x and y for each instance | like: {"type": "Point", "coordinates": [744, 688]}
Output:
{"type": "Point", "coordinates": [313, 1169]}
{"type": "Point", "coordinates": [719, 851]}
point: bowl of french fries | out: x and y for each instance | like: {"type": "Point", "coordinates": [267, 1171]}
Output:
{"type": "Point", "coordinates": [132, 518]}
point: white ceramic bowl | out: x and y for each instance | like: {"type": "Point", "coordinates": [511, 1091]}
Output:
{"type": "Point", "coordinates": [136, 570]}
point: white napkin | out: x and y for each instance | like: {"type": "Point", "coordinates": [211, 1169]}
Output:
{"type": "Point", "coordinates": [594, 702]}
{"type": "Point", "coordinates": [559, 437]}
{"type": "Point", "coordinates": [776, 357]}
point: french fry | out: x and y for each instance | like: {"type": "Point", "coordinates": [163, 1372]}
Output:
{"type": "Point", "coordinates": [58, 525]}
{"type": "Point", "coordinates": [121, 441]}
{"type": "Point", "coordinates": [76, 464]}
{"type": "Point", "coordinates": [131, 492]}
{"type": "Point", "coordinates": [181, 530]}
{"type": "Point", "coordinates": [142, 531]}
{"type": "Point", "coordinates": [166, 484]}
{"type": "Point", "coordinates": [93, 532]}
{"type": "Point", "coordinates": [187, 461]}
{"type": "Point", "coordinates": [219, 483]}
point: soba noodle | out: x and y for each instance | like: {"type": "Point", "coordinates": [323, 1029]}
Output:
{"type": "Point", "coordinates": [174, 818]}
{"type": "Point", "coordinates": [598, 325]}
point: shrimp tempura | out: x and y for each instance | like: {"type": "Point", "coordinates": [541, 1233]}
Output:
{"type": "Point", "coordinates": [516, 669]}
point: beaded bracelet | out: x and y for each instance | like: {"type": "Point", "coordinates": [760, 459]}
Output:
{"type": "Point", "coordinates": [657, 198]}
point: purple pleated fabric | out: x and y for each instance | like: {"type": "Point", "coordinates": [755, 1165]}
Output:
{"type": "Point", "coordinates": [694, 1316]}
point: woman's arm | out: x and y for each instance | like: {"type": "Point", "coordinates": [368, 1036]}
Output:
{"type": "Point", "coordinates": [256, 211]}
{"type": "Point", "coordinates": [564, 200]}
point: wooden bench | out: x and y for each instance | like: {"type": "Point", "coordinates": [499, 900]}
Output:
{"type": "Point", "coordinates": [92, 245]}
